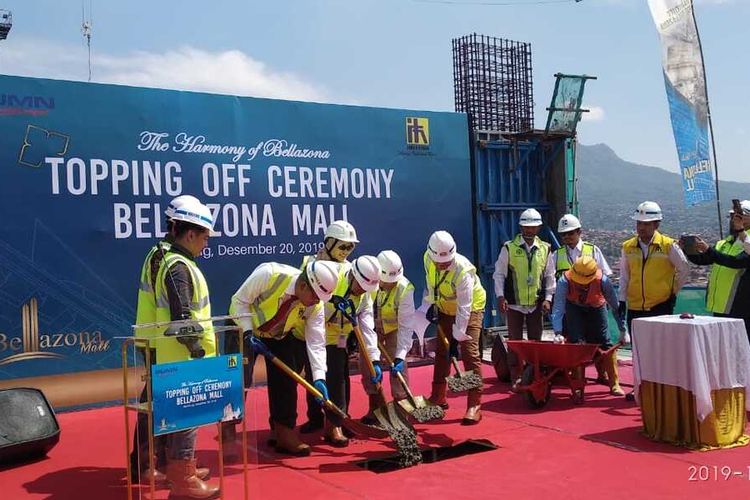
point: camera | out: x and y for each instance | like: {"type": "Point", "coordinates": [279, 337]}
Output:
{"type": "Point", "coordinates": [688, 242]}
{"type": "Point", "coordinates": [188, 335]}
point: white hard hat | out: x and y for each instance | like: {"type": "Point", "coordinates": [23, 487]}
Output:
{"type": "Point", "coordinates": [366, 271]}
{"type": "Point", "coordinates": [342, 230]}
{"type": "Point", "coordinates": [568, 222]}
{"type": "Point", "coordinates": [745, 204]}
{"type": "Point", "coordinates": [391, 268]}
{"type": "Point", "coordinates": [178, 202]}
{"type": "Point", "coordinates": [323, 277]}
{"type": "Point", "coordinates": [196, 213]}
{"type": "Point", "coordinates": [648, 211]}
{"type": "Point", "coordinates": [441, 247]}
{"type": "Point", "coordinates": [530, 217]}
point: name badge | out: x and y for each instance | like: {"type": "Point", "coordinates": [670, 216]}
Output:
{"type": "Point", "coordinates": [341, 344]}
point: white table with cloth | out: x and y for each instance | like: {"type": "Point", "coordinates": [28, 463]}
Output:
{"type": "Point", "coordinates": [690, 379]}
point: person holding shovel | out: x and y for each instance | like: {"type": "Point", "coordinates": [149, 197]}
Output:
{"type": "Point", "coordinates": [281, 298]}
{"type": "Point", "coordinates": [357, 285]}
{"type": "Point", "coordinates": [394, 310]}
{"type": "Point", "coordinates": [457, 301]}
{"type": "Point", "coordinates": [581, 298]}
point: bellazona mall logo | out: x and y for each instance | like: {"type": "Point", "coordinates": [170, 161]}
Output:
{"type": "Point", "coordinates": [32, 345]}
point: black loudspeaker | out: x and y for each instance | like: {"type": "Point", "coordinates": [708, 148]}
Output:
{"type": "Point", "coordinates": [28, 426]}
{"type": "Point", "coordinates": [499, 358]}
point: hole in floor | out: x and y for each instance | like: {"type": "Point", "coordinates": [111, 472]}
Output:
{"type": "Point", "coordinates": [429, 455]}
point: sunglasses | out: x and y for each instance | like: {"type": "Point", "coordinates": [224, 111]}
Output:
{"type": "Point", "coordinates": [345, 247]}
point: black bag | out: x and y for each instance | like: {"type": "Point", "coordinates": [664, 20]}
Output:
{"type": "Point", "coordinates": [499, 358]}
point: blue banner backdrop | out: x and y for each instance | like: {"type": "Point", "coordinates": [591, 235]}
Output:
{"type": "Point", "coordinates": [86, 171]}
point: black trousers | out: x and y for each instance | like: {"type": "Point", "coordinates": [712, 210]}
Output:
{"type": "Point", "coordinates": [337, 380]}
{"type": "Point", "coordinates": [658, 310]}
{"type": "Point", "coordinates": [282, 389]}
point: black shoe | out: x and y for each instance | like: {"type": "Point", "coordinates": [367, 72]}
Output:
{"type": "Point", "coordinates": [347, 432]}
{"type": "Point", "coordinates": [368, 420]}
{"type": "Point", "coordinates": [630, 396]}
{"type": "Point", "coordinates": [310, 426]}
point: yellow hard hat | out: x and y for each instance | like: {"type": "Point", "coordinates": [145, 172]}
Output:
{"type": "Point", "coordinates": [584, 270]}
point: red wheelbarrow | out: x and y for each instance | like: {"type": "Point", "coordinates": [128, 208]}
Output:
{"type": "Point", "coordinates": [546, 360]}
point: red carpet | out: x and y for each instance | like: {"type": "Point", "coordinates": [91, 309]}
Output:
{"type": "Point", "coordinates": [562, 451]}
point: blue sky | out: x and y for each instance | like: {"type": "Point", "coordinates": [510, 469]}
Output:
{"type": "Point", "coordinates": [397, 53]}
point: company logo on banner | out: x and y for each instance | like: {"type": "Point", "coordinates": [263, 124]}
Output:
{"type": "Point", "coordinates": [198, 392]}
{"type": "Point", "coordinates": [686, 92]}
{"type": "Point", "coordinates": [34, 105]}
{"type": "Point", "coordinates": [417, 131]}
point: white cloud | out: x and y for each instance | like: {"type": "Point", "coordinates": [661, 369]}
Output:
{"type": "Point", "coordinates": [187, 68]}
{"type": "Point", "coordinates": [595, 114]}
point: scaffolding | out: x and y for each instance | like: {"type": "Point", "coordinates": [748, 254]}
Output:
{"type": "Point", "coordinates": [493, 83]}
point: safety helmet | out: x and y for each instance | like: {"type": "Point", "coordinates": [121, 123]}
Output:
{"type": "Point", "coordinates": [391, 268]}
{"type": "Point", "coordinates": [584, 270]}
{"type": "Point", "coordinates": [745, 204]}
{"type": "Point", "coordinates": [323, 277]}
{"type": "Point", "coordinates": [342, 230]}
{"type": "Point", "coordinates": [178, 202]}
{"type": "Point", "coordinates": [530, 217]}
{"type": "Point", "coordinates": [648, 211]}
{"type": "Point", "coordinates": [194, 212]}
{"type": "Point", "coordinates": [568, 222]}
{"type": "Point", "coordinates": [441, 247]}
{"type": "Point", "coordinates": [366, 271]}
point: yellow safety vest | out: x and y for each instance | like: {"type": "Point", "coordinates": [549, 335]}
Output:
{"type": "Point", "coordinates": [523, 285]}
{"type": "Point", "coordinates": [387, 303]}
{"type": "Point", "coordinates": [336, 324]}
{"type": "Point", "coordinates": [266, 304]}
{"type": "Point", "coordinates": [441, 285]}
{"type": "Point", "coordinates": [167, 348]}
{"type": "Point", "coordinates": [145, 311]}
{"type": "Point", "coordinates": [298, 330]}
{"type": "Point", "coordinates": [562, 262]}
{"type": "Point", "coordinates": [723, 281]}
{"type": "Point", "coordinates": [652, 279]}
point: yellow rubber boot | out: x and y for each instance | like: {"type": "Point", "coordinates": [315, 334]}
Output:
{"type": "Point", "coordinates": [610, 366]}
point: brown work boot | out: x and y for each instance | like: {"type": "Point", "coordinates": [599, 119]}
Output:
{"type": "Point", "coordinates": [288, 442]}
{"type": "Point", "coordinates": [610, 366]}
{"type": "Point", "coordinates": [369, 418]}
{"type": "Point", "coordinates": [473, 412]}
{"type": "Point", "coordinates": [183, 479]}
{"type": "Point", "coordinates": [145, 476]}
{"type": "Point", "coordinates": [335, 436]}
{"type": "Point", "coordinates": [601, 373]}
{"type": "Point", "coordinates": [437, 397]}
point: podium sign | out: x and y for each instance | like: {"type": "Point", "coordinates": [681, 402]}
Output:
{"type": "Point", "coordinates": [189, 394]}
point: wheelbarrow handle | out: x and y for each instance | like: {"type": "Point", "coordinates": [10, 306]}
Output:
{"type": "Point", "coordinates": [400, 377]}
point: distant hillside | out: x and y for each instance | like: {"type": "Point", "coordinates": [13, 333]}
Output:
{"type": "Point", "coordinates": [610, 188]}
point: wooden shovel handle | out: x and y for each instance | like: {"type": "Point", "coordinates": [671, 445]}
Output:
{"type": "Point", "coordinates": [400, 377]}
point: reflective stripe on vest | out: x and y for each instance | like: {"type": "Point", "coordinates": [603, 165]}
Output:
{"type": "Point", "coordinates": [442, 284]}
{"type": "Point", "coordinates": [145, 311]}
{"type": "Point", "coordinates": [586, 295]}
{"type": "Point", "coordinates": [387, 304]}
{"type": "Point", "coordinates": [525, 271]}
{"type": "Point", "coordinates": [652, 279]}
{"type": "Point", "coordinates": [562, 259]}
{"type": "Point", "coordinates": [723, 281]}
{"type": "Point", "coordinates": [167, 348]}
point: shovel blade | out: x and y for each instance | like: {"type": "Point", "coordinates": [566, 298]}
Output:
{"type": "Point", "coordinates": [364, 430]}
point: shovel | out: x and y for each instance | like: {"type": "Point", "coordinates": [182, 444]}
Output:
{"type": "Point", "coordinates": [417, 406]}
{"type": "Point", "coordinates": [389, 416]}
{"type": "Point", "coordinates": [461, 381]}
{"type": "Point", "coordinates": [357, 428]}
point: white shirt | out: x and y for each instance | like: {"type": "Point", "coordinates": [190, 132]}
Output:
{"type": "Point", "coordinates": [367, 325]}
{"type": "Point", "coordinates": [676, 257]}
{"type": "Point", "coordinates": [573, 254]}
{"type": "Point", "coordinates": [315, 333]}
{"type": "Point", "coordinates": [405, 319]}
{"type": "Point", "coordinates": [464, 299]}
{"type": "Point", "coordinates": [501, 273]}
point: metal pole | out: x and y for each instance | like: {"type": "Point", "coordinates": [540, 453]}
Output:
{"type": "Point", "coordinates": [710, 122]}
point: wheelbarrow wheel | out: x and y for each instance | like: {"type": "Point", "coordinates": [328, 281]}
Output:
{"type": "Point", "coordinates": [527, 378]}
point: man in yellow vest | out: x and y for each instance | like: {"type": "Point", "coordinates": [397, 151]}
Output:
{"type": "Point", "coordinates": [283, 298]}
{"type": "Point", "coordinates": [146, 313]}
{"type": "Point", "coordinates": [523, 285]}
{"type": "Point", "coordinates": [581, 298]}
{"type": "Point", "coordinates": [728, 292]}
{"type": "Point", "coordinates": [181, 294]}
{"type": "Point", "coordinates": [394, 313]}
{"type": "Point", "coordinates": [338, 243]}
{"type": "Point", "coordinates": [357, 284]}
{"type": "Point", "coordinates": [653, 269]}
{"type": "Point", "coordinates": [457, 300]}
{"type": "Point", "coordinates": [562, 259]}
